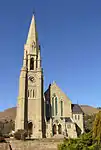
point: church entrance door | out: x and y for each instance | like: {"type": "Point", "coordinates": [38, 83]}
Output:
{"type": "Point", "coordinates": [59, 129]}
{"type": "Point", "coordinates": [30, 128]}
{"type": "Point", "coordinates": [54, 129]}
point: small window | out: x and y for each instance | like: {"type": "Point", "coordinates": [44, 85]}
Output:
{"type": "Point", "coordinates": [30, 93]}
{"type": "Point", "coordinates": [33, 93]}
{"type": "Point", "coordinates": [75, 117]}
{"type": "Point", "coordinates": [78, 117]}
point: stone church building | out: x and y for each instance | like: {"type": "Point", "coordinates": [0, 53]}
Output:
{"type": "Point", "coordinates": [45, 114]}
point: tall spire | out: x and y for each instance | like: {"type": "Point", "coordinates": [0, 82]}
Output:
{"type": "Point", "coordinates": [32, 34]}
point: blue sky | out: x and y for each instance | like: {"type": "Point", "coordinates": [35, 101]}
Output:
{"type": "Point", "coordinates": [70, 36]}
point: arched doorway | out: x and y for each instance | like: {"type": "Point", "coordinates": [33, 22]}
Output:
{"type": "Point", "coordinates": [54, 129]}
{"type": "Point", "coordinates": [30, 128]}
{"type": "Point", "coordinates": [59, 129]}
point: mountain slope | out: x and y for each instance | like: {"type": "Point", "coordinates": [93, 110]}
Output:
{"type": "Point", "coordinates": [89, 110]}
{"type": "Point", "coordinates": [10, 114]}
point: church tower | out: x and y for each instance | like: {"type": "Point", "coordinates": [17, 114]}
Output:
{"type": "Point", "coordinates": [30, 106]}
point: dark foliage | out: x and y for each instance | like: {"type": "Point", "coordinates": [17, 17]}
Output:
{"type": "Point", "coordinates": [84, 142]}
{"type": "Point", "coordinates": [88, 122]}
{"type": "Point", "coordinates": [97, 128]}
{"type": "Point", "coordinates": [2, 139]}
{"type": "Point", "coordinates": [20, 135]}
{"type": "Point", "coordinates": [88, 141]}
{"type": "Point", "coordinates": [6, 127]}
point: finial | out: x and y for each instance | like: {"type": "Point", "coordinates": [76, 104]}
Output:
{"type": "Point", "coordinates": [54, 81]}
{"type": "Point", "coordinates": [49, 85]}
{"type": "Point", "coordinates": [33, 12]}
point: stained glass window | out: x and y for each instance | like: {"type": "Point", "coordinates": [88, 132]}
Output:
{"type": "Point", "coordinates": [56, 107]}
{"type": "Point", "coordinates": [52, 106]}
{"type": "Point", "coordinates": [61, 108]}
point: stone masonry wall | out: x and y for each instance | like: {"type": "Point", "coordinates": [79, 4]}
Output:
{"type": "Point", "coordinates": [32, 145]}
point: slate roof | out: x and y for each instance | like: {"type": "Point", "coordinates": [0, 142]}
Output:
{"type": "Point", "coordinates": [76, 109]}
{"type": "Point", "coordinates": [68, 119]}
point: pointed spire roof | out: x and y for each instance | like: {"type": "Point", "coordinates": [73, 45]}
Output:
{"type": "Point", "coordinates": [32, 34]}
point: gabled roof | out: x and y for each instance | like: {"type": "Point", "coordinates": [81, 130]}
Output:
{"type": "Point", "coordinates": [76, 108]}
{"type": "Point", "coordinates": [55, 86]}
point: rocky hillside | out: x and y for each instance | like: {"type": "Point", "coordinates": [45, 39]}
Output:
{"type": "Point", "coordinates": [9, 114]}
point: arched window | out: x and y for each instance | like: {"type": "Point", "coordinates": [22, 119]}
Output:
{"type": "Point", "coordinates": [61, 107]}
{"type": "Point", "coordinates": [78, 117]}
{"type": "Point", "coordinates": [56, 107]}
{"type": "Point", "coordinates": [33, 93]}
{"type": "Point", "coordinates": [32, 64]}
{"type": "Point", "coordinates": [52, 106]}
{"type": "Point", "coordinates": [75, 117]}
{"type": "Point", "coordinates": [30, 93]}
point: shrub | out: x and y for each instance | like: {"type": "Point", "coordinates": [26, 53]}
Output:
{"type": "Point", "coordinates": [20, 135]}
{"type": "Point", "coordinates": [97, 128]}
{"type": "Point", "coordinates": [6, 136]}
{"type": "Point", "coordinates": [2, 139]}
{"type": "Point", "coordinates": [88, 122]}
{"type": "Point", "coordinates": [84, 142]}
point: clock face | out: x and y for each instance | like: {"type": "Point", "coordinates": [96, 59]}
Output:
{"type": "Point", "coordinates": [31, 78]}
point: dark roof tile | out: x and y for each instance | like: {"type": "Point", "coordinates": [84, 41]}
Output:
{"type": "Point", "coordinates": [68, 119]}
{"type": "Point", "coordinates": [76, 108]}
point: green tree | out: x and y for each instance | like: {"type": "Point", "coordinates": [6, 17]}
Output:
{"type": "Point", "coordinates": [88, 122]}
{"type": "Point", "coordinates": [84, 142]}
{"type": "Point", "coordinates": [97, 127]}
